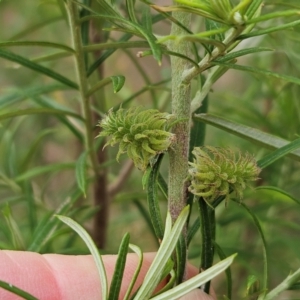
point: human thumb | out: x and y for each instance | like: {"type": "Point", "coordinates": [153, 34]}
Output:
{"type": "Point", "coordinates": [196, 294]}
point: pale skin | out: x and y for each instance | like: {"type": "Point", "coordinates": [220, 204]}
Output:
{"type": "Point", "coordinates": [67, 277]}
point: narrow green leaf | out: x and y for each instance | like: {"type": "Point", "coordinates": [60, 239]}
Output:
{"type": "Point", "coordinates": [44, 169]}
{"type": "Point", "coordinates": [193, 230]}
{"type": "Point", "coordinates": [262, 236]}
{"type": "Point", "coordinates": [152, 198]}
{"type": "Point", "coordinates": [254, 135]}
{"type": "Point", "coordinates": [146, 217]}
{"type": "Point", "coordinates": [34, 27]}
{"type": "Point", "coordinates": [131, 11]}
{"type": "Point", "coordinates": [284, 285]}
{"type": "Point", "coordinates": [253, 8]}
{"type": "Point", "coordinates": [52, 56]}
{"type": "Point", "coordinates": [17, 291]}
{"type": "Point", "coordinates": [147, 18]}
{"type": "Point", "coordinates": [222, 256]}
{"type": "Point", "coordinates": [93, 249]}
{"type": "Point", "coordinates": [232, 55]}
{"type": "Point", "coordinates": [105, 55]}
{"type": "Point", "coordinates": [36, 43]}
{"type": "Point", "coordinates": [181, 255]}
{"type": "Point", "coordinates": [278, 190]}
{"type": "Point", "coordinates": [151, 39]}
{"type": "Point", "coordinates": [80, 172]}
{"type": "Point", "coordinates": [273, 15]}
{"type": "Point", "coordinates": [162, 185]}
{"type": "Point", "coordinates": [36, 67]}
{"type": "Point", "coordinates": [277, 154]}
{"type": "Point", "coordinates": [39, 111]}
{"type": "Point", "coordinates": [164, 252]}
{"type": "Point", "coordinates": [269, 30]}
{"type": "Point", "coordinates": [116, 45]}
{"type": "Point", "coordinates": [17, 237]}
{"type": "Point", "coordinates": [33, 148]}
{"type": "Point", "coordinates": [44, 101]}
{"type": "Point", "coordinates": [139, 253]}
{"type": "Point", "coordinates": [116, 282]}
{"type": "Point", "coordinates": [47, 226]}
{"type": "Point", "coordinates": [18, 95]}
{"type": "Point", "coordinates": [257, 71]}
{"type": "Point", "coordinates": [207, 218]}
{"type": "Point", "coordinates": [198, 280]}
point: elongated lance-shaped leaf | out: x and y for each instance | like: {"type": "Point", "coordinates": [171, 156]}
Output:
{"type": "Point", "coordinates": [254, 135]}
{"type": "Point", "coordinates": [262, 236]}
{"type": "Point", "coordinates": [232, 55]}
{"type": "Point", "coordinates": [80, 171]}
{"type": "Point", "coordinates": [43, 169]}
{"type": "Point", "coordinates": [139, 253]}
{"type": "Point", "coordinates": [38, 111]}
{"type": "Point", "coordinates": [257, 71]}
{"type": "Point", "coordinates": [253, 8]}
{"type": "Point", "coordinates": [36, 43]}
{"type": "Point", "coordinates": [277, 154]}
{"type": "Point", "coordinates": [93, 249]}
{"type": "Point", "coordinates": [273, 15]}
{"type": "Point", "coordinates": [34, 27]}
{"type": "Point", "coordinates": [193, 230]}
{"type": "Point", "coordinates": [164, 252]}
{"type": "Point", "coordinates": [19, 95]}
{"type": "Point", "coordinates": [17, 291]}
{"type": "Point", "coordinates": [36, 67]}
{"type": "Point", "coordinates": [198, 280]}
{"type": "Point", "coordinates": [146, 217]}
{"type": "Point", "coordinates": [278, 190]}
{"type": "Point", "coordinates": [284, 285]}
{"type": "Point", "coordinates": [131, 11]}
{"type": "Point", "coordinates": [117, 278]}
{"type": "Point", "coordinates": [113, 17]}
{"type": "Point", "coordinates": [17, 237]}
{"type": "Point", "coordinates": [153, 201]}
{"type": "Point", "coordinates": [46, 228]}
{"type": "Point", "coordinates": [44, 101]}
{"type": "Point", "coordinates": [269, 30]}
{"type": "Point", "coordinates": [106, 54]}
{"type": "Point", "coordinates": [163, 186]}
{"type": "Point", "coordinates": [222, 256]}
{"type": "Point", "coordinates": [207, 218]}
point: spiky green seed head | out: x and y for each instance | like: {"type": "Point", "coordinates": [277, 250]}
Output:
{"type": "Point", "coordinates": [216, 171]}
{"type": "Point", "coordinates": [141, 133]}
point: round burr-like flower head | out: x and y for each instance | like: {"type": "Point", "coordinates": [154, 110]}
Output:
{"type": "Point", "coordinates": [141, 133]}
{"type": "Point", "coordinates": [216, 172]}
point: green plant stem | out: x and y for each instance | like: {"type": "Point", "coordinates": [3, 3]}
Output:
{"type": "Point", "coordinates": [181, 109]}
{"type": "Point", "coordinates": [179, 152]}
{"type": "Point", "coordinates": [75, 31]}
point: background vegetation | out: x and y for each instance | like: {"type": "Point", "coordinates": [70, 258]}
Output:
{"type": "Point", "coordinates": [42, 145]}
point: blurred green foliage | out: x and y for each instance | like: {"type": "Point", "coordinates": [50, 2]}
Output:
{"type": "Point", "coordinates": [39, 151]}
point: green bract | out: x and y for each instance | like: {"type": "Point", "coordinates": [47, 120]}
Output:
{"type": "Point", "coordinates": [141, 133]}
{"type": "Point", "coordinates": [217, 171]}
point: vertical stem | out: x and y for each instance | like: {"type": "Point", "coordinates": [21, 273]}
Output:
{"type": "Point", "coordinates": [181, 109]}
{"type": "Point", "coordinates": [75, 31]}
{"type": "Point", "coordinates": [101, 198]}
{"type": "Point", "coordinates": [179, 152]}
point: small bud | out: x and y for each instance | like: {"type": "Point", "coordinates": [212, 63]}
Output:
{"type": "Point", "coordinates": [141, 133]}
{"type": "Point", "coordinates": [216, 171]}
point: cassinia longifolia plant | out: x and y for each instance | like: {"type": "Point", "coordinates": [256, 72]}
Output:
{"type": "Point", "coordinates": [205, 40]}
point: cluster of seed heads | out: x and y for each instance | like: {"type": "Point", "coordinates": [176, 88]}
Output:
{"type": "Point", "coordinates": [143, 134]}
{"type": "Point", "coordinates": [216, 172]}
